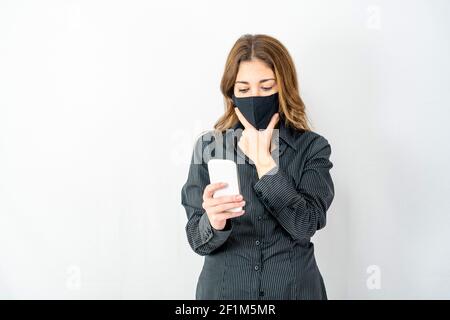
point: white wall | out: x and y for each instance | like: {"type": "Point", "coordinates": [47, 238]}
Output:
{"type": "Point", "coordinates": [100, 102]}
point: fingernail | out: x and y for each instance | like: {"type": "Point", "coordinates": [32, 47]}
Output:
{"type": "Point", "coordinates": [238, 197]}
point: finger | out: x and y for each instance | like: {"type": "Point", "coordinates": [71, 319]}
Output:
{"type": "Point", "coordinates": [223, 199]}
{"type": "Point", "coordinates": [230, 214]}
{"type": "Point", "coordinates": [226, 206]}
{"type": "Point", "coordinates": [273, 122]}
{"type": "Point", "coordinates": [245, 123]}
{"type": "Point", "coordinates": [211, 188]}
{"type": "Point", "coordinates": [213, 202]}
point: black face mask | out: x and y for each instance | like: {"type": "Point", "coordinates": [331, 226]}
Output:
{"type": "Point", "coordinates": [258, 110]}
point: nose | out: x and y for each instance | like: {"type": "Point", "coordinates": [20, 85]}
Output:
{"type": "Point", "coordinates": [256, 92]}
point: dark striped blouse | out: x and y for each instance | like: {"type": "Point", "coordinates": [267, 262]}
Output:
{"type": "Point", "coordinates": [266, 253]}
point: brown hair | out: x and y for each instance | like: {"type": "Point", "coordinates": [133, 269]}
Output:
{"type": "Point", "coordinates": [276, 56]}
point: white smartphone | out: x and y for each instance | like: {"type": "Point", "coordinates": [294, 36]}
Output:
{"type": "Point", "coordinates": [224, 170]}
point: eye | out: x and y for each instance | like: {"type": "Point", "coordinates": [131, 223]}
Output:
{"type": "Point", "coordinates": [266, 88]}
{"type": "Point", "coordinates": [243, 90]}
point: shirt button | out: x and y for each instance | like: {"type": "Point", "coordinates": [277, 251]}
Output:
{"type": "Point", "coordinates": [257, 242]}
{"type": "Point", "coordinates": [261, 293]}
{"type": "Point", "coordinates": [259, 217]}
{"type": "Point", "coordinates": [256, 268]}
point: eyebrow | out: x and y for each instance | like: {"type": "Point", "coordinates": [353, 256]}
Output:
{"type": "Point", "coordinates": [260, 81]}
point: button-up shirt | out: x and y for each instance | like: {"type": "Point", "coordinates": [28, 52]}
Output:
{"type": "Point", "coordinates": [267, 252]}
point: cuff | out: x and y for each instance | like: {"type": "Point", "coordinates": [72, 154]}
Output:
{"type": "Point", "coordinates": [211, 235]}
{"type": "Point", "coordinates": [276, 190]}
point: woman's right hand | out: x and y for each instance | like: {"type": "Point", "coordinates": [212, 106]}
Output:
{"type": "Point", "coordinates": [217, 208]}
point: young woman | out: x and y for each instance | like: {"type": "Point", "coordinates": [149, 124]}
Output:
{"type": "Point", "coordinates": [264, 250]}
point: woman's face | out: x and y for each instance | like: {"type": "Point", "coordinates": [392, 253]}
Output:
{"type": "Point", "coordinates": [254, 78]}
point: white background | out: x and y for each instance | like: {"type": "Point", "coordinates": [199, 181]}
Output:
{"type": "Point", "coordinates": [100, 102]}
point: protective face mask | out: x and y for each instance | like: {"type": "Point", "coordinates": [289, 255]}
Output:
{"type": "Point", "coordinates": [258, 110]}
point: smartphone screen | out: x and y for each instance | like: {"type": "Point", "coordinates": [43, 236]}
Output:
{"type": "Point", "coordinates": [224, 170]}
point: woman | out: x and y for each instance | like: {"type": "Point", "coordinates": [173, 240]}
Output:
{"type": "Point", "coordinates": [264, 250]}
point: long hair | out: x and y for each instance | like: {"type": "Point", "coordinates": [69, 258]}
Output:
{"type": "Point", "coordinates": [276, 56]}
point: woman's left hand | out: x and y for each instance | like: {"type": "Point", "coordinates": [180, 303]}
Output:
{"type": "Point", "coordinates": [256, 145]}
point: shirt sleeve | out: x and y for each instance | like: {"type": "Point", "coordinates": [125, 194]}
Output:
{"type": "Point", "coordinates": [300, 209]}
{"type": "Point", "coordinates": [202, 237]}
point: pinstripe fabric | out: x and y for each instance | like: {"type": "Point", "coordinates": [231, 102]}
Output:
{"type": "Point", "coordinates": [265, 253]}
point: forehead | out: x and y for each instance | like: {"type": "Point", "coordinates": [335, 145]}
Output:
{"type": "Point", "coordinates": [253, 71]}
